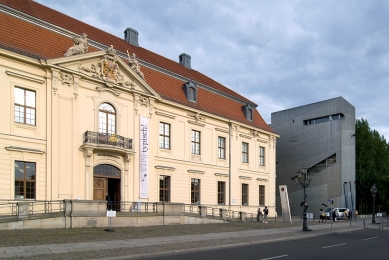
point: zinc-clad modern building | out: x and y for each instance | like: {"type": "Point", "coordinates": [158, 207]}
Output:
{"type": "Point", "coordinates": [321, 137]}
{"type": "Point", "coordinates": [85, 114]}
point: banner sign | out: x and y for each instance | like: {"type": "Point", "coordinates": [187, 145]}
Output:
{"type": "Point", "coordinates": [144, 158]}
{"type": "Point", "coordinates": [285, 203]}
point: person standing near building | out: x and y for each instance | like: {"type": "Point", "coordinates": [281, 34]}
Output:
{"type": "Point", "coordinates": [265, 212]}
{"type": "Point", "coordinates": [259, 215]}
{"type": "Point", "coordinates": [109, 202]}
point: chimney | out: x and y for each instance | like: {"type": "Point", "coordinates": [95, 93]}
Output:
{"type": "Point", "coordinates": [185, 60]}
{"type": "Point", "coordinates": [131, 36]}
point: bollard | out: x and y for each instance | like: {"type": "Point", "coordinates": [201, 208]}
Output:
{"type": "Point", "coordinates": [364, 226]}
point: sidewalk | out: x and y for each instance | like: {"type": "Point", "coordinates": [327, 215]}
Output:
{"type": "Point", "coordinates": [168, 240]}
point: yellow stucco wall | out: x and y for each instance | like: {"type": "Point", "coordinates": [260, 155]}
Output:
{"type": "Point", "coordinates": [66, 109]}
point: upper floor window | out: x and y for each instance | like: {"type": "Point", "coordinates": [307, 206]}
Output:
{"type": "Point", "coordinates": [25, 174]}
{"type": "Point", "coordinates": [107, 119]}
{"type": "Point", "coordinates": [25, 106]}
{"type": "Point", "coordinates": [221, 147]}
{"type": "Point", "coordinates": [248, 112]}
{"type": "Point", "coordinates": [245, 152]}
{"type": "Point", "coordinates": [191, 91]}
{"type": "Point", "coordinates": [261, 156]}
{"type": "Point", "coordinates": [164, 135]}
{"type": "Point", "coordinates": [195, 142]}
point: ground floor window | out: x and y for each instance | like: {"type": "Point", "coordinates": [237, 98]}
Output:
{"type": "Point", "coordinates": [25, 174]}
{"type": "Point", "coordinates": [195, 191]}
{"type": "Point", "coordinates": [261, 194]}
{"type": "Point", "coordinates": [221, 193]}
{"type": "Point", "coordinates": [245, 194]}
{"type": "Point", "coordinates": [164, 188]}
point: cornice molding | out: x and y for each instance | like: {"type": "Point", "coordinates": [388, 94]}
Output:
{"type": "Point", "coordinates": [196, 171]}
{"type": "Point", "coordinates": [222, 130]}
{"type": "Point", "coordinates": [195, 123]}
{"type": "Point", "coordinates": [165, 167]}
{"type": "Point", "coordinates": [164, 114]}
{"type": "Point", "coordinates": [245, 136]}
{"type": "Point", "coordinates": [24, 149]}
{"type": "Point", "coordinates": [14, 74]}
{"type": "Point", "coordinates": [221, 174]}
{"type": "Point", "coordinates": [245, 177]}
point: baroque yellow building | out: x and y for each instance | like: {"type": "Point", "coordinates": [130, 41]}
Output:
{"type": "Point", "coordinates": [88, 114]}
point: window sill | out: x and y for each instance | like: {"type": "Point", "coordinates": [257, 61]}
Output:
{"type": "Point", "coordinates": [25, 126]}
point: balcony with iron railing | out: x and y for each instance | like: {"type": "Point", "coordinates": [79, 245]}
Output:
{"type": "Point", "coordinates": [107, 141]}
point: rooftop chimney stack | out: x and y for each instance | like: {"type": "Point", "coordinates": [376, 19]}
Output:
{"type": "Point", "coordinates": [131, 36]}
{"type": "Point", "coordinates": [185, 60]}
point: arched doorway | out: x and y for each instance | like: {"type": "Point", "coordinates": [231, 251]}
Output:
{"type": "Point", "coordinates": [106, 180]}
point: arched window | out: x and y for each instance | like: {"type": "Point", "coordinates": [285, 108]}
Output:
{"type": "Point", "coordinates": [107, 119]}
{"type": "Point", "coordinates": [106, 170]}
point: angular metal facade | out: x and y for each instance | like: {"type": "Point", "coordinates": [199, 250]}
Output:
{"type": "Point", "coordinates": [309, 135]}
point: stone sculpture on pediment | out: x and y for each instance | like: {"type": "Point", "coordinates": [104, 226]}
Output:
{"type": "Point", "coordinates": [80, 45]}
{"type": "Point", "coordinates": [254, 133]}
{"type": "Point", "coordinates": [107, 69]}
{"type": "Point", "coordinates": [66, 78]}
{"type": "Point", "coordinates": [134, 64]}
{"type": "Point", "coordinates": [197, 116]}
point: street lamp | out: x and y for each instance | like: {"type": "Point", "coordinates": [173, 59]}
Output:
{"type": "Point", "coordinates": [304, 178]}
{"type": "Point", "coordinates": [373, 191]}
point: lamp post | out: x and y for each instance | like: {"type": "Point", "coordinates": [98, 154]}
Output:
{"type": "Point", "coordinates": [373, 191]}
{"type": "Point", "coordinates": [304, 178]}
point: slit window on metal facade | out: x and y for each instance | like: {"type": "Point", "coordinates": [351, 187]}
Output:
{"type": "Point", "coordinates": [221, 147]}
{"type": "Point", "coordinates": [164, 188]}
{"type": "Point", "coordinates": [323, 119]}
{"type": "Point", "coordinates": [164, 135]}
{"type": "Point", "coordinates": [221, 193]}
{"type": "Point", "coordinates": [245, 194]}
{"type": "Point", "coordinates": [261, 196]}
{"type": "Point", "coordinates": [107, 119]}
{"type": "Point", "coordinates": [323, 164]}
{"type": "Point", "coordinates": [25, 175]}
{"type": "Point", "coordinates": [195, 191]}
{"type": "Point", "coordinates": [24, 106]}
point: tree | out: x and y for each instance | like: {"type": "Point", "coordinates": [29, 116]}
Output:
{"type": "Point", "coordinates": [372, 166]}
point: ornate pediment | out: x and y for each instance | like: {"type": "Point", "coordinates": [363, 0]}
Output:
{"type": "Point", "coordinates": [105, 67]}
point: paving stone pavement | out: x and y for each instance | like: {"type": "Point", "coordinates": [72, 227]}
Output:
{"type": "Point", "coordinates": [131, 243]}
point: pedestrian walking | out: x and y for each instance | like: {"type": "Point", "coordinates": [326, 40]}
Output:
{"type": "Point", "coordinates": [265, 212]}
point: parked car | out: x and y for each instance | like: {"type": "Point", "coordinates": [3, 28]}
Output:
{"type": "Point", "coordinates": [340, 211]}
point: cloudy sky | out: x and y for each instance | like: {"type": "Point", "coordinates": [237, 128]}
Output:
{"type": "Point", "coordinates": [279, 53]}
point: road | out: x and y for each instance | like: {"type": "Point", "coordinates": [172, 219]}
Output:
{"type": "Point", "coordinates": [362, 244]}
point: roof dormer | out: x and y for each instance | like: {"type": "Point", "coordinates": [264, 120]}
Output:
{"type": "Point", "coordinates": [191, 89]}
{"type": "Point", "coordinates": [248, 112]}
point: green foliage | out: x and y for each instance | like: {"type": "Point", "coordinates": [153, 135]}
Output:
{"type": "Point", "coordinates": [372, 166]}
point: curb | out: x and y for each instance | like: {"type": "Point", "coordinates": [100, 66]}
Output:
{"type": "Point", "coordinates": [291, 236]}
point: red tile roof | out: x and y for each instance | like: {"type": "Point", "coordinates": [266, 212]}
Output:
{"type": "Point", "coordinates": [34, 40]}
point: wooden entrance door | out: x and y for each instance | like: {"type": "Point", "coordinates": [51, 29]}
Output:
{"type": "Point", "coordinates": [100, 188]}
